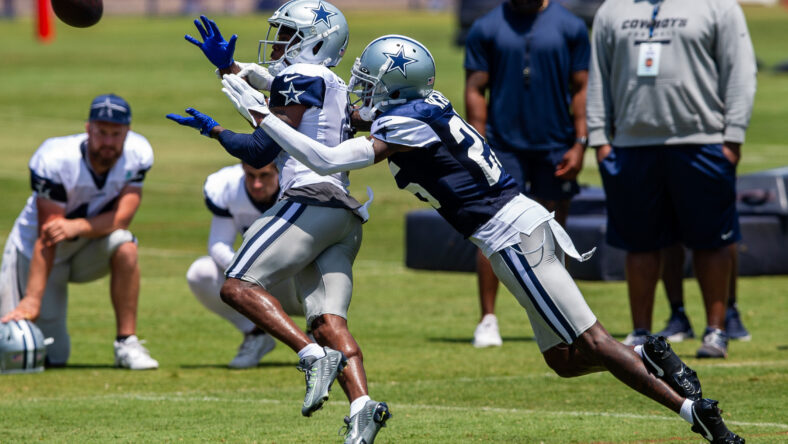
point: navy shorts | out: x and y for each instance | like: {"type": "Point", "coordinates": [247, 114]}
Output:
{"type": "Point", "coordinates": [660, 195]}
{"type": "Point", "coordinates": [534, 172]}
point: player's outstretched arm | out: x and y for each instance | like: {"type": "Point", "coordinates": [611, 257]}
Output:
{"type": "Point", "coordinates": [256, 75]}
{"type": "Point", "coordinates": [199, 121]}
{"type": "Point", "coordinates": [351, 154]}
{"type": "Point", "coordinates": [218, 50]}
{"type": "Point", "coordinates": [250, 103]}
{"type": "Point", "coordinates": [256, 149]}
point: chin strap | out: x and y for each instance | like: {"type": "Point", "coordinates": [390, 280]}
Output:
{"type": "Point", "coordinates": [367, 113]}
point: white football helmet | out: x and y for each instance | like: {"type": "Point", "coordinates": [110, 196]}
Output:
{"type": "Point", "coordinates": [320, 35]}
{"type": "Point", "coordinates": [392, 70]}
{"type": "Point", "coordinates": [22, 347]}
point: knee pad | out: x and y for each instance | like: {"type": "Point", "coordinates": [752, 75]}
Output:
{"type": "Point", "coordinates": [204, 269]}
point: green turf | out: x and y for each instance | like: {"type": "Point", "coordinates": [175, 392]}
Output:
{"type": "Point", "coordinates": [414, 327]}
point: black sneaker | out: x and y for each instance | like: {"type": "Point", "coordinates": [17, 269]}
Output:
{"type": "Point", "coordinates": [715, 344]}
{"type": "Point", "coordinates": [734, 327]}
{"type": "Point", "coordinates": [707, 419]}
{"type": "Point", "coordinates": [663, 362]}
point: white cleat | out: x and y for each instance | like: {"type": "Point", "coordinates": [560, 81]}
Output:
{"type": "Point", "coordinates": [252, 350]}
{"type": "Point", "coordinates": [131, 354]}
{"type": "Point", "coordinates": [486, 333]}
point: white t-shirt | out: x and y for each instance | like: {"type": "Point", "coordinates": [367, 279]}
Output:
{"type": "Point", "coordinates": [233, 211]}
{"type": "Point", "coordinates": [59, 172]}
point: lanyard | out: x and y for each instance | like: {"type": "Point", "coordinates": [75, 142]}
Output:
{"type": "Point", "coordinates": [653, 20]}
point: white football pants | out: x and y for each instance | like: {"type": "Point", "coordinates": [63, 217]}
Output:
{"type": "Point", "coordinates": [205, 280]}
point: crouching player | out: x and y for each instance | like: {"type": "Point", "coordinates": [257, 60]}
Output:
{"type": "Point", "coordinates": [435, 154]}
{"type": "Point", "coordinates": [74, 228]}
{"type": "Point", "coordinates": [236, 196]}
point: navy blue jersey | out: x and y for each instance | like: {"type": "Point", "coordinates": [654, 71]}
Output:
{"type": "Point", "coordinates": [552, 45]}
{"type": "Point", "coordinates": [452, 167]}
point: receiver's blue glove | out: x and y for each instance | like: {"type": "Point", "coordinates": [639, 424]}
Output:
{"type": "Point", "coordinates": [200, 121]}
{"type": "Point", "coordinates": [218, 50]}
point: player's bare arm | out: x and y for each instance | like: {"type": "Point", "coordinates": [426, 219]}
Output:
{"type": "Point", "coordinates": [59, 229]}
{"type": "Point", "coordinates": [476, 83]}
{"type": "Point", "coordinates": [732, 150]}
{"type": "Point", "coordinates": [572, 162]}
{"type": "Point", "coordinates": [40, 263]}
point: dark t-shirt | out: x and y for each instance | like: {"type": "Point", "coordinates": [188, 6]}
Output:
{"type": "Point", "coordinates": [552, 44]}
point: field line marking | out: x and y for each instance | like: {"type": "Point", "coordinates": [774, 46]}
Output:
{"type": "Point", "coordinates": [743, 364]}
{"type": "Point", "coordinates": [181, 398]}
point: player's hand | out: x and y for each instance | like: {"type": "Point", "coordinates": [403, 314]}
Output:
{"type": "Point", "coordinates": [602, 152]}
{"type": "Point", "coordinates": [218, 50]}
{"type": "Point", "coordinates": [571, 164]}
{"type": "Point", "coordinates": [256, 75]}
{"type": "Point", "coordinates": [732, 151]}
{"type": "Point", "coordinates": [58, 230]}
{"type": "Point", "coordinates": [248, 101]}
{"type": "Point", "coordinates": [198, 120]}
{"type": "Point", "coordinates": [29, 308]}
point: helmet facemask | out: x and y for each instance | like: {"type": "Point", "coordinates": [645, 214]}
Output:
{"type": "Point", "coordinates": [308, 43]}
{"type": "Point", "coordinates": [293, 46]}
{"type": "Point", "coordinates": [372, 94]}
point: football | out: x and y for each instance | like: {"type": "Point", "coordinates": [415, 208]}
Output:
{"type": "Point", "coordinates": [78, 13]}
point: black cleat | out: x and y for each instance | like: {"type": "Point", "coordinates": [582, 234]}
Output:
{"type": "Point", "coordinates": [708, 423]}
{"type": "Point", "coordinates": [667, 366]}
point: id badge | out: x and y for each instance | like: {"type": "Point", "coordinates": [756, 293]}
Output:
{"type": "Point", "coordinates": [648, 60]}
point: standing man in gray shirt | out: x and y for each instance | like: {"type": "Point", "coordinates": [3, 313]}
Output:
{"type": "Point", "coordinates": [671, 86]}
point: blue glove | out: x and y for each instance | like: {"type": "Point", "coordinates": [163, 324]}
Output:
{"type": "Point", "coordinates": [218, 50]}
{"type": "Point", "coordinates": [200, 121]}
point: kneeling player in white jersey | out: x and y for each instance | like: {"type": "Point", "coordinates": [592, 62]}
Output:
{"type": "Point", "coordinates": [237, 196]}
{"type": "Point", "coordinates": [435, 154]}
{"type": "Point", "coordinates": [86, 189]}
{"type": "Point", "coordinates": [312, 235]}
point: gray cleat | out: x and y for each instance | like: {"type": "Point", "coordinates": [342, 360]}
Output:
{"type": "Point", "coordinates": [320, 374]}
{"type": "Point", "coordinates": [364, 425]}
{"type": "Point", "coordinates": [715, 344]}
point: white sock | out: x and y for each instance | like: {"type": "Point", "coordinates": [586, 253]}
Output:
{"type": "Point", "coordinates": [686, 411]}
{"type": "Point", "coordinates": [358, 404]}
{"type": "Point", "coordinates": [311, 349]}
{"type": "Point", "coordinates": [639, 350]}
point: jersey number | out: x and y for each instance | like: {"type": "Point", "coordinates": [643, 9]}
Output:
{"type": "Point", "coordinates": [415, 188]}
{"type": "Point", "coordinates": [466, 136]}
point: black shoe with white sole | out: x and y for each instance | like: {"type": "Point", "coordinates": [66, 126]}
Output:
{"type": "Point", "coordinates": [708, 422]}
{"type": "Point", "coordinates": [663, 362]}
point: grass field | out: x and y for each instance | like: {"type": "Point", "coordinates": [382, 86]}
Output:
{"type": "Point", "coordinates": [414, 327]}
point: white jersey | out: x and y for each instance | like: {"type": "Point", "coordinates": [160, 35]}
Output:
{"type": "Point", "coordinates": [59, 172]}
{"type": "Point", "coordinates": [226, 196]}
{"type": "Point", "coordinates": [325, 119]}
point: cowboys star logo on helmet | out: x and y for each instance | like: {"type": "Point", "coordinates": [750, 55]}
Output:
{"type": "Point", "coordinates": [322, 15]}
{"type": "Point", "coordinates": [390, 71]}
{"type": "Point", "coordinates": [291, 95]}
{"type": "Point", "coordinates": [399, 61]}
{"type": "Point", "coordinates": [304, 31]}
